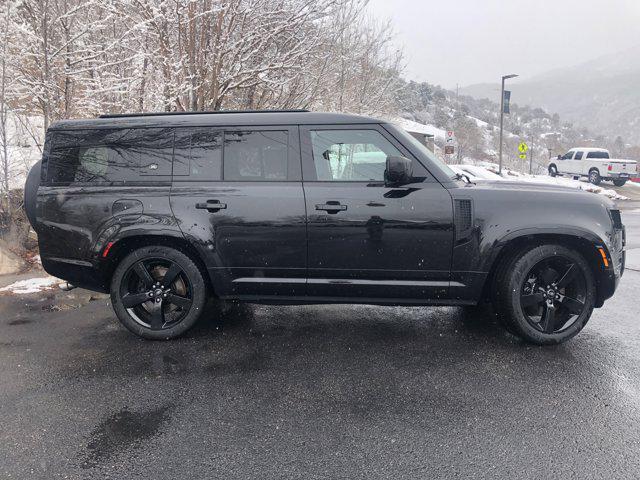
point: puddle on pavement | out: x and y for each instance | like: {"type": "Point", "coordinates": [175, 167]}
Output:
{"type": "Point", "coordinates": [122, 431]}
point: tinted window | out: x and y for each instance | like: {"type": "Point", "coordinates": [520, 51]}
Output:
{"type": "Point", "coordinates": [567, 156]}
{"type": "Point", "coordinates": [598, 155]}
{"type": "Point", "coordinates": [125, 155]}
{"type": "Point", "coordinates": [255, 156]}
{"type": "Point", "coordinates": [350, 155]}
{"type": "Point", "coordinates": [198, 153]}
{"type": "Point", "coordinates": [578, 156]}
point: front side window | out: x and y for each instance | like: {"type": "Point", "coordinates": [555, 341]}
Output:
{"type": "Point", "coordinates": [255, 155]}
{"type": "Point", "coordinates": [350, 155]}
{"type": "Point", "coordinates": [578, 155]}
{"type": "Point", "coordinates": [567, 156]}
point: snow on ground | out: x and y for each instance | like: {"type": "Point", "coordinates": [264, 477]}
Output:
{"type": "Point", "coordinates": [31, 285]}
{"type": "Point", "coordinates": [489, 171]}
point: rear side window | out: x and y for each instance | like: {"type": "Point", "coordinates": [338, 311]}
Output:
{"type": "Point", "coordinates": [256, 155]}
{"type": "Point", "coordinates": [579, 155]}
{"type": "Point", "coordinates": [598, 155]}
{"type": "Point", "coordinates": [106, 156]}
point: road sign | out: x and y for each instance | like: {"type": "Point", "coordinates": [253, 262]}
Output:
{"type": "Point", "coordinates": [523, 156]}
{"type": "Point", "coordinates": [523, 147]}
{"type": "Point", "coordinates": [448, 149]}
{"type": "Point", "coordinates": [450, 136]}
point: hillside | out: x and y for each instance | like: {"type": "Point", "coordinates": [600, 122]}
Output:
{"type": "Point", "coordinates": [601, 94]}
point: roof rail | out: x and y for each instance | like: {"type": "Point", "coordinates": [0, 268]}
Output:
{"type": "Point", "coordinates": [217, 112]}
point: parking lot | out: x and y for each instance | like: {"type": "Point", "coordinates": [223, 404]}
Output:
{"type": "Point", "coordinates": [317, 392]}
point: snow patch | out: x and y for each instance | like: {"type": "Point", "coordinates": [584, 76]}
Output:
{"type": "Point", "coordinates": [31, 285]}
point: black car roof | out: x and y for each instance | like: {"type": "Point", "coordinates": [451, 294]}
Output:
{"type": "Point", "coordinates": [224, 118]}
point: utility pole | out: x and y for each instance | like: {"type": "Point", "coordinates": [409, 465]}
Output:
{"type": "Point", "coordinates": [531, 159]}
{"type": "Point", "coordinates": [505, 77]}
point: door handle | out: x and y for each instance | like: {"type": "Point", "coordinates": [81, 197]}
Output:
{"type": "Point", "coordinates": [211, 205]}
{"type": "Point", "coordinates": [331, 207]}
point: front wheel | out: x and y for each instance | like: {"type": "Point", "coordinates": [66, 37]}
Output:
{"type": "Point", "coordinates": [546, 294]}
{"type": "Point", "coordinates": [158, 292]}
{"type": "Point", "coordinates": [619, 182]}
{"type": "Point", "coordinates": [553, 171]}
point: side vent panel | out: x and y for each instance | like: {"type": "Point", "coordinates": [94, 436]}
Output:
{"type": "Point", "coordinates": [463, 216]}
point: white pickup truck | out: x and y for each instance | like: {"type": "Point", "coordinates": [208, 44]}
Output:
{"type": "Point", "coordinates": [595, 163]}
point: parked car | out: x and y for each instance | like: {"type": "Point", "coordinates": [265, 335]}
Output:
{"type": "Point", "coordinates": [594, 163]}
{"type": "Point", "coordinates": [166, 211]}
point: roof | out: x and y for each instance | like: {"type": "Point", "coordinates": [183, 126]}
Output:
{"type": "Point", "coordinates": [223, 119]}
{"type": "Point", "coordinates": [415, 127]}
{"type": "Point", "coordinates": [589, 149]}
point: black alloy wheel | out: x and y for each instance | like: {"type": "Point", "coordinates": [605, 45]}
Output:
{"type": "Point", "coordinates": [158, 292]}
{"type": "Point", "coordinates": [553, 295]}
{"type": "Point", "coordinates": [544, 294]}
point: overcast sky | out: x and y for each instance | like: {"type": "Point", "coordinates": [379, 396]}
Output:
{"type": "Point", "coordinates": [471, 41]}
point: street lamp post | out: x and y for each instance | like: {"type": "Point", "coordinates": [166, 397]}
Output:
{"type": "Point", "coordinates": [505, 77]}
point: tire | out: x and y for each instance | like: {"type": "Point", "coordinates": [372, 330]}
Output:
{"type": "Point", "coordinates": [553, 171]}
{"type": "Point", "coordinates": [31, 192]}
{"type": "Point", "coordinates": [151, 305]}
{"type": "Point", "coordinates": [594, 176]}
{"type": "Point", "coordinates": [544, 318]}
{"type": "Point", "coordinates": [619, 183]}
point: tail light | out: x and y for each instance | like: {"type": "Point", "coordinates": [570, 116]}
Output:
{"type": "Point", "coordinates": [610, 167]}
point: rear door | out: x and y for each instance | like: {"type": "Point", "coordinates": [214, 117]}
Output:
{"type": "Point", "coordinates": [367, 240]}
{"type": "Point", "coordinates": [237, 196]}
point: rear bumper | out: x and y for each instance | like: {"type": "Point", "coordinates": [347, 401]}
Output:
{"type": "Point", "coordinates": [78, 273]}
{"type": "Point", "coordinates": [619, 175]}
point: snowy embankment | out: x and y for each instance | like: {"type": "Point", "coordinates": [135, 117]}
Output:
{"type": "Point", "coordinates": [488, 171]}
{"type": "Point", "coordinates": [31, 285]}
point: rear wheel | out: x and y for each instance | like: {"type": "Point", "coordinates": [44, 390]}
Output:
{"type": "Point", "coordinates": [546, 295]}
{"type": "Point", "coordinates": [553, 170]}
{"type": "Point", "coordinates": [158, 292]}
{"type": "Point", "coordinates": [594, 176]}
{"type": "Point", "coordinates": [619, 182]}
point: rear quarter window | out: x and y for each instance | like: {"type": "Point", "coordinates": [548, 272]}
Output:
{"type": "Point", "coordinates": [601, 155]}
{"type": "Point", "coordinates": [110, 155]}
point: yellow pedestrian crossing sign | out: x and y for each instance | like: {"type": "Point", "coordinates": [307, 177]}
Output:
{"type": "Point", "coordinates": [523, 147]}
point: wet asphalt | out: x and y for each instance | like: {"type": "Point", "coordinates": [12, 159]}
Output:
{"type": "Point", "coordinates": [316, 392]}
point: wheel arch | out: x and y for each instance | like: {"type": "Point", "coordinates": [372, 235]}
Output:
{"type": "Point", "coordinates": [121, 247]}
{"type": "Point", "coordinates": [586, 243]}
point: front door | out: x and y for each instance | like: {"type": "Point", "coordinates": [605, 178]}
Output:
{"type": "Point", "coordinates": [237, 195]}
{"type": "Point", "coordinates": [365, 239]}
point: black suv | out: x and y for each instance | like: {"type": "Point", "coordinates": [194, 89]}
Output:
{"type": "Point", "coordinates": [167, 210]}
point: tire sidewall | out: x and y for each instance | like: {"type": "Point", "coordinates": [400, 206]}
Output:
{"type": "Point", "coordinates": [198, 286]}
{"type": "Point", "coordinates": [594, 177]}
{"type": "Point", "coordinates": [553, 171]}
{"type": "Point", "coordinates": [520, 270]}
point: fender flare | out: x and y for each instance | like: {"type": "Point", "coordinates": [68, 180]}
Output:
{"type": "Point", "coordinates": [576, 232]}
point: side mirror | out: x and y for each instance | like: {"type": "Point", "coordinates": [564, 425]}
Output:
{"type": "Point", "coordinates": [559, 157]}
{"type": "Point", "coordinates": [398, 172]}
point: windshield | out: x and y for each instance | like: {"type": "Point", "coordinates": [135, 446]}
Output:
{"type": "Point", "coordinates": [433, 160]}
